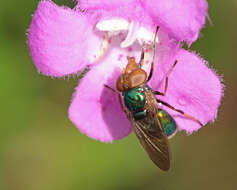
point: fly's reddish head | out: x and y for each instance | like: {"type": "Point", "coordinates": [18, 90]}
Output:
{"type": "Point", "coordinates": [132, 77]}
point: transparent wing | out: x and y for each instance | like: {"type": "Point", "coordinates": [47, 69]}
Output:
{"type": "Point", "coordinates": [153, 141]}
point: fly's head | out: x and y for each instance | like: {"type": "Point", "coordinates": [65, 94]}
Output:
{"type": "Point", "coordinates": [132, 76]}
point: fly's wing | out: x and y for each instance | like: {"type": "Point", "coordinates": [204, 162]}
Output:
{"type": "Point", "coordinates": [154, 142]}
{"type": "Point", "coordinates": [151, 134]}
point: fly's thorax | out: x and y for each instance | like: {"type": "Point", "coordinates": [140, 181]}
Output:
{"type": "Point", "coordinates": [167, 122]}
{"type": "Point", "coordinates": [135, 99]}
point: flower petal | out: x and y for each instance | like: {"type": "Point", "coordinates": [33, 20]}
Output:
{"type": "Point", "coordinates": [181, 19]}
{"type": "Point", "coordinates": [130, 10]}
{"type": "Point", "coordinates": [58, 40]}
{"type": "Point", "coordinates": [95, 109]}
{"type": "Point", "coordinates": [106, 4]}
{"type": "Point", "coordinates": [193, 87]}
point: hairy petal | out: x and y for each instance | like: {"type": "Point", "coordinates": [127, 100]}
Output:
{"type": "Point", "coordinates": [130, 10]}
{"type": "Point", "coordinates": [104, 4]}
{"type": "Point", "coordinates": [57, 38]}
{"type": "Point", "coordinates": [95, 109]}
{"type": "Point", "coordinates": [193, 87]}
{"type": "Point", "coordinates": [181, 19]}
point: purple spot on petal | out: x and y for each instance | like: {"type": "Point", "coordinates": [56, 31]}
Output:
{"type": "Point", "coordinates": [109, 41]}
{"type": "Point", "coordinates": [129, 49]}
{"type": "Point", "coordinates": [120, 57]}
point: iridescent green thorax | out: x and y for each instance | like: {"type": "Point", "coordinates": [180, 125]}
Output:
{"type": "Point", "coordinates": [134, 99]}
{"type": "Point", "coordinates": [167, 122]}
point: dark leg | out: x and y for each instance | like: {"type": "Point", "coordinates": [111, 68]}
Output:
{"type": "Point", "coordinates": [119, 95]}
{"type": "Point", "coordinates": [154, 53]}
{"type": "Point", "coordinates": [141, 62]}
{"type": "Point", "coordinates": [115, 91]}
{"type": "Point", "coordinates": [180, 111]}
{"type": "Point", "coordinates": [121, 104]}
{"type": "Point", "coordinates": [166, 81]}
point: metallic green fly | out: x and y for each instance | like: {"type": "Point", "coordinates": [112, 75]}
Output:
{"type": "Point", "coordinates": [152, 125]}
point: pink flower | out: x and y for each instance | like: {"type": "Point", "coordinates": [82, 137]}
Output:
{"type": "Point", "coordinates": [63, 41]}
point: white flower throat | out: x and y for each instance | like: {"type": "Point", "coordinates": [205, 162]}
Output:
{"type": "Point", "coordinates": [135, 31]}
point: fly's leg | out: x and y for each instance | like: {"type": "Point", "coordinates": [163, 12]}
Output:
{"type": "Point", "coordinates": [141, 62]}
{"type": "Point", "coordinates": [154, 53]}
{"type": "Point", "coordinates": [115, 91]}
{"type": "Point", "coordinates": [166, 81]}
{"type": "Point", "coordinates": [179, 111]}
{"type": "Point", "coordinates": [119, 96]}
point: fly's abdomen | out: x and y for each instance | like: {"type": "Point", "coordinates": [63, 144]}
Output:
{"type": "Point", "coordinates": [135, 100]}
{"type": "Point", "coordinates": [167, 122]}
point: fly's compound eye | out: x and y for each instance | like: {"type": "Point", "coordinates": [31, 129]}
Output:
{"type": "Point", "coordinates": [136, 78]}
{"type": "Point", "coordinates": [120, 84]}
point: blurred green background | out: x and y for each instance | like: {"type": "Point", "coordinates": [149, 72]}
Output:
{"type": "Point", "coordinates": [40, 149]}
